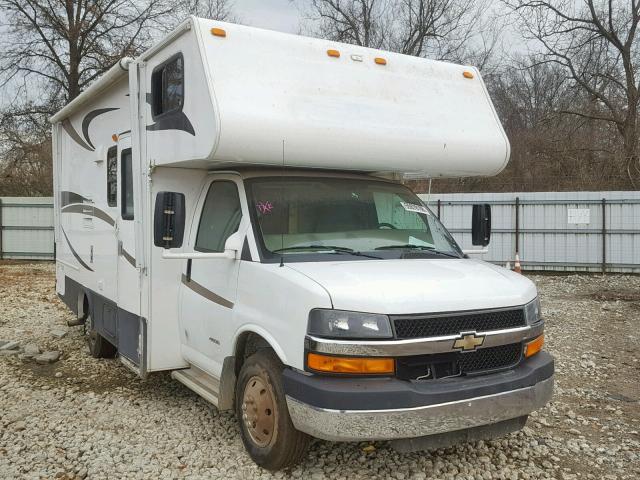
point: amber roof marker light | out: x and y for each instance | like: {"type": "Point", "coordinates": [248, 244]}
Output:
{"type": "Point", "coordinates": [333, 53]}
{"type": "Point", "coordinates": [218, 32]}
{"type": "Point", "coordinates": [467, 74]}
{"type": "Point", "coordinates": [380, 61]}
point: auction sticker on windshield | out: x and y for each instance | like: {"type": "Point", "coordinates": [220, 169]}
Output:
{"type": "Point", "coordinates": [412, 207]}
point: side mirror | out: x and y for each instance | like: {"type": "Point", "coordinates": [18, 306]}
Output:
{"type": "Point", "coordinates": [481, 224]}
{"type": "Point", "coordinates": [168, 220]}
{"type": "Point", "coordinates": [234, 244]}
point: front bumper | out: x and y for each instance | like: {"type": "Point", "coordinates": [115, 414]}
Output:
{"type": "Point", "coordinates": [341, 409]}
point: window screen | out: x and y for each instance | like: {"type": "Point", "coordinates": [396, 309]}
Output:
{"type": "Point", "coordinates": [167, 86]}
{"type": "Point", "coordinates": [112, 176]}
{"type": "Point", "coordinates": [126, 199]}
{"type": "Point", "coordinates": [220, 218]}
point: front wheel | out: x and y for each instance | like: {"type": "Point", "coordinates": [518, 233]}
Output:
{"type": "Point", "coordinates": [261, 409]}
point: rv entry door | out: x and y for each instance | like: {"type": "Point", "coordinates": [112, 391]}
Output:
{"type": "Point", "coordinates": [128, 274]}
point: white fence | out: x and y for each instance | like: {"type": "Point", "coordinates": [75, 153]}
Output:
{"type": "Point", "coordinates": [568, 231]}
{"type": "Point", "coordinates": [561, 231]}
{"type": "Point", "coordinates": [26, 228]}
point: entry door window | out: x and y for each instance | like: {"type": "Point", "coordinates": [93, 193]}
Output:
{"type": "Point", "coordinates": [220, 218]}
{"type": "Point", "coordinates": [112, 176]}
{"type": "Point", "coordinates": [126, 169]}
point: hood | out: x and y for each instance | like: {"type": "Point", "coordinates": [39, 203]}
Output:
{"type": "Point", "coordinates": [418, 285]}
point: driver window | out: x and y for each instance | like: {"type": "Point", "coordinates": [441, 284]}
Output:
{"type": "Point", "coordinates": [220, 218]}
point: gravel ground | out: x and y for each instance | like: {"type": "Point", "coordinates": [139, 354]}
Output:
{"type": "Point", "coordinates": [86, 418]}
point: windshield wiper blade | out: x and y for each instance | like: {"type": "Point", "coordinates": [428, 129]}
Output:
{"type": "Point", "coordinates": [333, 248]}
{"type": "Point", "coordinates": [406, 245]}
{"type": "Point", "coordinates": [312, 247]}
{"type": "Point", "coordinates": [417, 247]}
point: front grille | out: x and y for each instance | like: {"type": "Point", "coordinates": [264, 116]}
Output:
{"type": "Point", "coordinates": [453, 324]}
{"type": "Point", "coordinates": [491, 358]}
{"type": "Point", "coordinates": [458, 363]}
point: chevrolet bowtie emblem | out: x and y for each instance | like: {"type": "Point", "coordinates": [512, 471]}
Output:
{"type": "Point", "coordinates": [468, 342]}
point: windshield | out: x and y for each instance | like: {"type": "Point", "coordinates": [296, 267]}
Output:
{"type": "Point", "coordinates": [366, 218]}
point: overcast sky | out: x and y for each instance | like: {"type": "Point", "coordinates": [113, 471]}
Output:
{"type": "Point", "coordinates": [282, 15]}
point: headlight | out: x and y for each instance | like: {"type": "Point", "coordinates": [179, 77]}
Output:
{"type": "Point", "coordinates": [532, 311]}
{"type": "Point", "coordinates": [343, 324]}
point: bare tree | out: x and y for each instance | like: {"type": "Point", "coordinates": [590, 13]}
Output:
{"type": "Point", "coordinates": [550, 150]}
{"type": "Point", "coordinates": [51, 50]}
{"type": "Point", "coordinates": [439, 29]}
{"type": "Point", "coordinates": [357, 22]}
{"type": "Point", "coordinates": [596, 43]}
{"type": "Point", "coordinates": [434, 28]}
{"type": "Point", "coordinates": [26, 154]}
{"type": "Point", "coordinates": [69, 43]}
{"type": "Point", "coordinates": [215, 9]}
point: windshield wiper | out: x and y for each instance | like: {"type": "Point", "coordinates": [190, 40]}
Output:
{"type": "Point", "coordinates": [417, 247]}
{"type": "Point", "coordinates": [333, 248]}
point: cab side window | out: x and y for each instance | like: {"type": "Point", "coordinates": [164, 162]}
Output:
{"type": "Point", "coordinates": [167, 86]}
{"type": "Point", "coordinates": [112, 176]}
{"type": "Point", "coordinates": [220, 218]}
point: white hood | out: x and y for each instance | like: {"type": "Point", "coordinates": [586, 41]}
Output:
{"type": "Point", "coordinates": [418, 285]}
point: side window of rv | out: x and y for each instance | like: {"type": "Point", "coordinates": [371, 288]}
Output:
{"type": "Point", "coordinates": [112, 176]}
{"type": "Point", "coordinates": [167, 86]}
{"type": "Point", "coordinates": [220, 218]}
{"type": "Point", "coordinates": [126, 198]}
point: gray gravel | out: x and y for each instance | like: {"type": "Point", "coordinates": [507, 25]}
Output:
{"type": "Point", "coordinates": [84, 418]}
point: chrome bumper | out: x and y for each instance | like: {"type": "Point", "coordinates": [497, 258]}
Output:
{"type": "Point", "coordinates": [357, 425]}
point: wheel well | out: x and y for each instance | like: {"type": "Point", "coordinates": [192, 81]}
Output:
{"type": "Point", "coordinates": [83, 306]}
{"type": "Point", "coordinates": [248, 343]}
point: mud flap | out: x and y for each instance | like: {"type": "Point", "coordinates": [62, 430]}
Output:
{"type": "Point", "coordinates": [132, 331]}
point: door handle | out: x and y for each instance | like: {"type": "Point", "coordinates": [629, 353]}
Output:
{"type": "Point", "coordinates": [188, 270]}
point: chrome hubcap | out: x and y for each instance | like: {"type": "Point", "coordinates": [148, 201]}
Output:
{"type": "Point", "coordinates": [258, 411]}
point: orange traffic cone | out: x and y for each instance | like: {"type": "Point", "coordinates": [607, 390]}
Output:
{"type": "Point", "coordinates": [516, 267]}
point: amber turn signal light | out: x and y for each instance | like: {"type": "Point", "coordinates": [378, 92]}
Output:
{"type": "Point", "coordinates": [352, 365]}
{"type": "Point", "coordinates": [533, 347]}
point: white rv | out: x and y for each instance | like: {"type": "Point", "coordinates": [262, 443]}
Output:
{"type": "Point", "coordinates": [227, 209]}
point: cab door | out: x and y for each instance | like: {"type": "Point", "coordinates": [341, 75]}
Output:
{"type": "Point", "coordinates": [128, 308]}
{"type": "Point", "coordinates": [209, 286]}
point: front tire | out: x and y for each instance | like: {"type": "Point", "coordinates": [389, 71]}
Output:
{"type": "Point", "coordinates": [261, 409]}
{"type": "Point", "coordinates": [99, 347]}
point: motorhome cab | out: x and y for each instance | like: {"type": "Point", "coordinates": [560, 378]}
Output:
{"type": "Point", "coordinates": [227, 208]}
